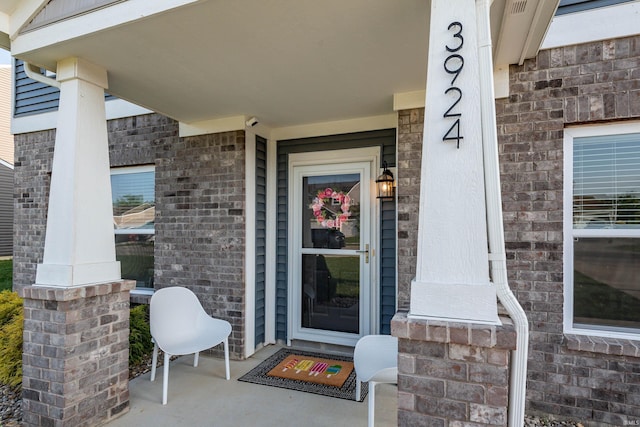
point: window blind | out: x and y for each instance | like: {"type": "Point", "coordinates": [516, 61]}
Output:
{"type": "Point", "coordinates": [133, 197]}
{"type": "Point", "coordinates": [606, 181]}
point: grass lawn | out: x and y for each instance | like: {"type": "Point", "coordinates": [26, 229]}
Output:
{"type": "Point", "coordinates": [6, 274]}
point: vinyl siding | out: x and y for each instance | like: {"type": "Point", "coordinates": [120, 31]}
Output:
{"type": "Point", "coordinates": [261, 227]}
{"type": "Point", "coordinates": [6, 210]}
{"type": "Point", "coordinates": [32, 97]}
{"type": "Point", "coordinates": [6, 139]}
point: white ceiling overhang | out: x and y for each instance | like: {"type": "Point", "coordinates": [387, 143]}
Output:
{"type": "Point", "coordinates": [287, 62]}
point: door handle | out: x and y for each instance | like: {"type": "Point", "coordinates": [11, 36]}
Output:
{"type": "Point", "coordinates": [366, 253]}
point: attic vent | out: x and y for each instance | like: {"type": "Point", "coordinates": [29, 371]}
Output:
{"type": "Point", "coordinates": [518, 6]}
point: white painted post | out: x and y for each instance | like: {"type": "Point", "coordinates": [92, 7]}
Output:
{"type": "Point", "coordinates": [79, 243]}
{"type": "Point", "coordinates": [452, 276]}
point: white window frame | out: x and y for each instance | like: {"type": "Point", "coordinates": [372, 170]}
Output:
{"type": "Point", "coordinates": [125, 170]}
{"type": "Point", "coordinates": [569, 233]}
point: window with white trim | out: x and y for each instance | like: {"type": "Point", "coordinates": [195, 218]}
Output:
{"type": "Point", "coordinates": [134, 209]}
{"type": "Point", "coordinates": [602, 230]}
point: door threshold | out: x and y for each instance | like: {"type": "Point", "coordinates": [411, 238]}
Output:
{"type": "Point", "coordinates": [341, 350]}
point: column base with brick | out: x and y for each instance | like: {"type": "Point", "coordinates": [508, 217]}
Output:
{"type": "Point", "coordinates": [76, 354]}
{"type": "Point", "coordinates": [452, 373]}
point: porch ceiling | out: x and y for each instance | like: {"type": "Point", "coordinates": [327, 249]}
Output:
{"type": "Point", "coordinates": [286, 62]}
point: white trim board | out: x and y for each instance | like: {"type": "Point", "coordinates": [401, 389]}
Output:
{"type": "Point", "coordinates": [569, 134]}
{"type": "Point", "coordinates": [591, 25]}
{"type": "Point", "coordinates": [114, 108]}
{"type": "Point", "coordinates": [250, 243]}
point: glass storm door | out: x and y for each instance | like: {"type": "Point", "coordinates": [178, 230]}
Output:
{"type": "Point", "coordinates": [331, 252]}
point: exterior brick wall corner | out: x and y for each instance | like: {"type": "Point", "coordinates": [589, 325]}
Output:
{"type": "Point", "coordinates": [76, 354]}
{"type": "Point", "coordinates": [569, 377]}
{"type": "Point", "coordinates": [410, 129]}
{"type": "Point", "coordinates": [594, 83]}
{"type": "Point", "coordinates": [200, 225]}
{"type": "Point", "coordinates": [200, 209]}
{"type": "Point", "coordinates": [452, 373]}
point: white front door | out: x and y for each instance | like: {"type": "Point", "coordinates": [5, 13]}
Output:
{"type": "Point", "coordinates": [332, 292]}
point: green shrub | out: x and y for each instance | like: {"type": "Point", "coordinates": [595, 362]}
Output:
{"type": "Point", "coordinates": [6, 274]}
{"type": "Point", "coordinates": [11, 320]}
{"type": "Point", "coordinates": [140, 344]}
{"type": "Point", "coordinates": [11, 328]}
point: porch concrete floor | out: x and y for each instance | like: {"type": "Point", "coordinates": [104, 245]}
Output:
{"type": "Point", "coordinates": [202, 397]}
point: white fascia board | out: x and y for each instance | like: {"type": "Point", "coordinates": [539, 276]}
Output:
{"type": "Point", "coordinates": [361, 124]}
{"type": "Point", "coordinates": [115, 109]}
{"type": "Point", "coordinates": [501, 81]}
{"type": "Point", "coordinates": [4, 23]}
{"type": "Point", "coordinates": [408, 100]}
{"type": "Point", "coordinates": [5, 40]}
{"type": "Point", "coordinates": [90, 23]}
{"type": "Point", "coordinates": [224, 124]}
{"type": "Point", "coordinates": [592, 25]}
{"type": "Point", "coordinates": [415, 99]}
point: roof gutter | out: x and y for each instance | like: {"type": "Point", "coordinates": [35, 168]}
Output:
{"type": "Point", "coordinates": [33, 73]}
{"type": "Point", "coordinates": [495, 230]}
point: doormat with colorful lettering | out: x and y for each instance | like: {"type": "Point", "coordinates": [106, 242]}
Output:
{"type": "Point", "coordinates": [328, 375]}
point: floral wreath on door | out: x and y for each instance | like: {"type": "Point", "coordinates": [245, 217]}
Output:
{"type": "Point", "coordinates": [323, 206]}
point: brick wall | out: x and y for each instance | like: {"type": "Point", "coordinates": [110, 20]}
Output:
{"type": "Point", "coordinates": [132, 141]}
{"type": "Point", "coordinates": [576, 85]}
{"type": "Point", "coordinates": [452, 374]}
{"type": "Point", "coordinates": [33, 154]}
{"type": "Point", "coordinates": [200, 224]}
{"type": "Point", "coordinates": [76, 354]}
{"type": "Point", "coordinates": [410, 127]}
{"type": "Point", "coordinates": [199, 208]}
{"type": "Point", "coordinates": [591, 379]}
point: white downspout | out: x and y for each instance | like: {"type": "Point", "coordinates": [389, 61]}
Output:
{"type": "Point", "coordinates": [33, 73]}
{"type": "Point", "coordinates": [495, 230]}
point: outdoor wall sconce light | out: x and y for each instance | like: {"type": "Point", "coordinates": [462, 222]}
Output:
{"type": "Point", "coordinates": [385, 182]}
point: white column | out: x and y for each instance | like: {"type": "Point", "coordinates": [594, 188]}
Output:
{"type": "Point", "coordinates": [79, 244]}
{"type": "Point", "coordinates": [452, 276]}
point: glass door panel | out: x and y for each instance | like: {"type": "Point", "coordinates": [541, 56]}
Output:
{"type": "Point", "coordinates": [331, 293]}
{"type": "Point", "coordinates": [331, 279]}
{"type": "Point", "coordinates": [331, 212]}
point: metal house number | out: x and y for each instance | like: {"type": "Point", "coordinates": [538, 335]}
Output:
{"type": "Point", "coordinates": [453, 65]}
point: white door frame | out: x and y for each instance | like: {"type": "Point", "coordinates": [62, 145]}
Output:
{"type": "Point", "coordinates": [369, 306]}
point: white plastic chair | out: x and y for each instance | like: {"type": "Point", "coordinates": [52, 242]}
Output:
{"type": "Point", "coordinates": [179, 325]}
{"type": "Point", "coordinates": [375, 360]}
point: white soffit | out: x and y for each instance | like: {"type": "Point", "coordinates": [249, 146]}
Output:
{"type": "Point", "coordinates": [289, 63]}
{"type": "Point", "coordinates": [511, 44]}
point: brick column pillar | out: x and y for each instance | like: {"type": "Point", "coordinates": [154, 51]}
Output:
{"type": "Point", "coordinates": [453, 374]}
{"type": "Point", "coordinates": [76, 354]}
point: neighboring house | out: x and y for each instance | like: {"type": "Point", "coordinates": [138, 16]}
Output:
{"type": "Point", "coordinates": [249, 179]}
{"type": "Point", "coordinates": [6, 164]}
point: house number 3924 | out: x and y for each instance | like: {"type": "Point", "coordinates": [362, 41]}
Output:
{"type": "Point", "coordinates": [453, 65]}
